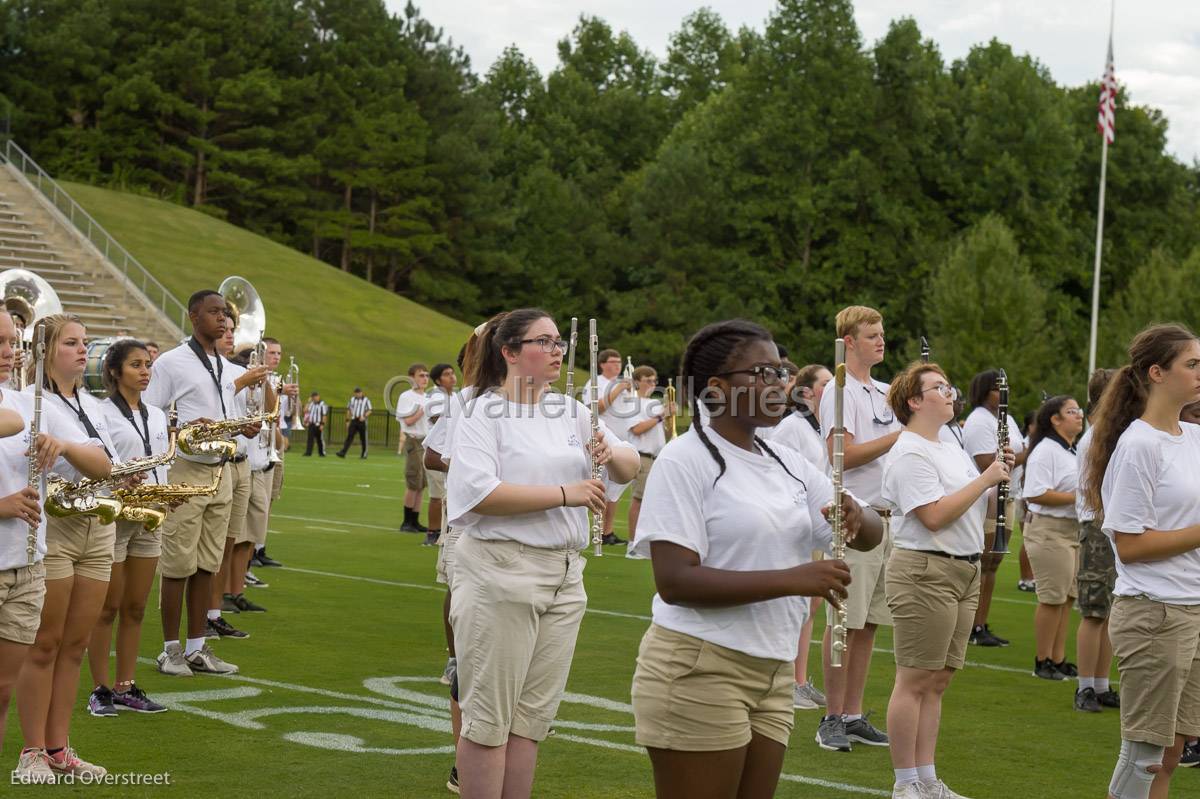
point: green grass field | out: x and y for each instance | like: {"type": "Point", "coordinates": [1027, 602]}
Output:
{"type": "Point", "coordinates": [342, 330]}
{"type": "Point", "coordinates": [339, 695]}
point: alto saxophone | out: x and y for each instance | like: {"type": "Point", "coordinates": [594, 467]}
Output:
{"type": "Point", "coordinates": [149, 503]}
{"type": "Point", "coordinates": [213, 438]}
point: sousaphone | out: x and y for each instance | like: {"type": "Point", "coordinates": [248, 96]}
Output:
{"type": "Point", "coordinates": [29, 298]}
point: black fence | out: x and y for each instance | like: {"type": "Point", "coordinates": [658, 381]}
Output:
{"type": "Point", "coordinates": [382, 430]}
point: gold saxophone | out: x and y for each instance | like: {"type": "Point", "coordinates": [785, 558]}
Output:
{"type": "Point", "coordinates": [149, 503]}
{"type": "Point", "coordinates": [213, 438]}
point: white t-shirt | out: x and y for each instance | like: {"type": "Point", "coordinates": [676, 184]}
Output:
{"type": "Point", "coordinates": [127, 435]}
{"type": "Point", "coordinates": [1051, 467]}
{"type": "Point", "coordinates": [916, 472]}
{"type": "Point", "coordinates": [178, 376]}
{"type": "Point", "coordinates": [979, 437]}
{"type": "Point", "coordinates": [240, 408]}
{"type": "Point", "coordinates": [95, 413]}
{"type": "Point", "coordinates": [864, 404]}
{"type": "Point", "coordinates": [508, 442]}
{"type": "Point", "coordinates": [1082, 511]}
{"type": "Point", "coordinates": [407, 405]}
{"type": "Point", "coordinates": [796, 432]}
{"type": "Point", "coordinates": [436, 403]}
{"type": "Point", "coordinates": [441, 436]}
{"type": "Point", "coordinates": [1150, 484]}
{"type": "Point", "coordinates": [620, 414]}
{"type": "Point", "coordinates": [14, 475]}
{"type": "Point", "coordinates": [756, 518]}
{"type": "Point", "coordinates": [653, 440]}
{"type": "Point", "coordinates": [951, 433]}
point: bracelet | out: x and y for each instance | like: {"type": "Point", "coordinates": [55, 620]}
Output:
{"type": "Point", "coordinates": [564, 493]}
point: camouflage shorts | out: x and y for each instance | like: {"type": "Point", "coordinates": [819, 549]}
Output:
{"type": "Point", "coordinates": [1097, 572]}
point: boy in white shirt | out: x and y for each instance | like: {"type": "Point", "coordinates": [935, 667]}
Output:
{"type": "Point", "coordinates": [414, 423]}
{"type": "Point", "coordinates": [647, 433]}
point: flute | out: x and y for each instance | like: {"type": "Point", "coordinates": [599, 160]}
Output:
{"type": "Point", "coordinates": [836, 520]}
{"type": "Point", "coordinates": [1000, 543]}
{"type": "Point", "coordinates": [594, 406]}
{"type": "Point", "coordinates": [35, 427]}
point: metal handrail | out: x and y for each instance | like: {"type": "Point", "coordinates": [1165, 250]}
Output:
{"type": "Point", "coordinates": [134, 272]}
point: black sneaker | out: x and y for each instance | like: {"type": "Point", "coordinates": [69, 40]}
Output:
{"type": "Point", "coordinates": [135, 699]}
{"type": "Point", "coordinates": [452, 783]}
{"type": "Point", "coordinates": [340, 454]}
{"type": "Point", "coordinates": [409, 527]}
{"type": "Point", "coordinates": [266, 560]}
{"type": "Point", "coordinates": [246, 606]}
{"type": "Point", "coordinates": [100, 703]}
{"type": "Point", "coordinates": [1191, 755]}
{"type": "Point", "coordinates": [863, 731]}
{"type": "Point", "coordinates": [226, 630]}
{"type": "Point", "coordinates": [1109, 698]}
{"type": "Point", "coordinates": [431, 540]}
{"type": "Point", "coordinates": [228, 605]}
{"type": "Point", "coordinates": [1069, 670]}
{"type": "Point", "coordinates": [255, 560]}
{"type": "Point", "coordinates": [831, 734]}
{"type": "Point", "coordinates": [1003, 641]}
{"type": "Point", "coordinates": [982, 636]}
{"type": "Point", "coordinates": [1046, 670]}
{"type": "Point", "coordinates": [611, 540]}
{"type": "Point", "coordinates": [1086, 701]}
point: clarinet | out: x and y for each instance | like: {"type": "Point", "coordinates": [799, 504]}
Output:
{"type": "Point", "coordinates": [836, 521]}
{"type": "Point", "coordinates": [594, 405]}
{"type": "Point", "coordinates": [1000, 544]}
{"type": "Point", "coordinates": [924, 350]}
{"type": "Point", "coordinates": [35, 427]}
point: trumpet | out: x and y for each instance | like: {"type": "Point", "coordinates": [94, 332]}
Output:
{"type": "Point", "coordinates": [293, 379]}
{"type": "Point", "coordinates": [670, 420]}
{"type": "Point", "coordinates": [627, 376]}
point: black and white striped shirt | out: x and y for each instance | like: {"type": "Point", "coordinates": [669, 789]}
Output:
{"type": "Point", "coordinates": [315, 413]}
{"type": "Point", "coordinates": [359, 408]}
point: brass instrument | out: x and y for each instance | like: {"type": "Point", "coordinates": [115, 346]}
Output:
{"type": "Point", "coordinates": [35, 427]}
{"type": "Point", "coordinates": [293, 379]}
{"type": "Point", "coordinates": [836, 521]}
{"type": "Point", "coordinates": [1000, 542]}
{"type": "Point", "coordinates": [149, 504]}
{"type": "Point", "coordinates": [270, 430]}
{"type": "Point", "coordinates": [247, 307]}
{"type": "Point", "coordinates": [29, 298]}
{"type": "Point", "coordinates": [594, 406]}
{"type": "Point", "coordinates": [627, 376]}
{"type": "Point", "coordinates": [213, 438]}
{"type": "Point", "coordinates": [670, 420]}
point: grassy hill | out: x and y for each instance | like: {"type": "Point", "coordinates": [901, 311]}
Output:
{"type": "Point", "coordinates": [342, 330]}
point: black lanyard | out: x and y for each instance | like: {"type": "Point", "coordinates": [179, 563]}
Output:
{"type": "Point", "coordinates": [83, 419]}
{"type": "Point", "coordinates": [956, 431]}
{"type": "Point", "coordinates": [216, 376]}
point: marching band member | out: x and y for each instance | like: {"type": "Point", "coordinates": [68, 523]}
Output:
{"type": "Point", "coordinates": [253, 530]}
{"type": "Point", "coordinates": [730, 523]}
{"type": "Point", "coordinates": [436, 403]}
{"type": "Point", "coordinates": [519, 481]}
{"type": "Point", "coordinates": [414, 424]}
{"type": "Point", "coordinates": [647, 434]}
{"type": "Point", "coordinates": [871, 430]}
{"type": "Point", "coordinates": [933, 575]}
{"type": "Point", "coordinates": [1052, 536]}
{"type": "Point", "coordinates": [272, 358]}
{"type": "Point", "coordinates": [1142, 471]}
{"type": "Point", "coordinates": [137, 431]}
{"type": "Point", "coordinates": [78, 561]}
{"type": "Point", "coordinates": [616, 410]}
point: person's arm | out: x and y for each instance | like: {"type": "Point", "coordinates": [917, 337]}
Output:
{"type": "Point", "coordinates": [11, 423]}
{"type": "Point", "coordinates": [611, 394]}
{"type": "Point", "coordinates": [938, 515]}
{"type": "Point", "coordinates": [1053, 498]}
{"type": "Point", "coordinates": [510, 499]}
{"type": "Point", "coordinates": [622, 461]}
{"type": "Point", "coordinates": [434, 462]}
{"type": "Point", "coordinates": [856, 455]}
{"type": "Point", "coordinates": [1155, 544]}
{"type": "Point", "coordinates": [251, 377]}
{"type": "Point", "coordinates": [88, 458]}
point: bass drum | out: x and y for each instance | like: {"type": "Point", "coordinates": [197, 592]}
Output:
{"type": "Point", "coordinates": [93, 375]}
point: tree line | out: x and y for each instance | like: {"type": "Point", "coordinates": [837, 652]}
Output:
{"type": "Point", "coordinates": [776, 173]}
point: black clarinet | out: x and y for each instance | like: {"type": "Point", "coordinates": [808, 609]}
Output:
{"type": "Point", "coordinates": [1000, 544]}
{"type": "Point", "coordinates": [924, 350]}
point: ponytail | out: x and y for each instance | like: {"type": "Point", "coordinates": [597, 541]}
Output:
{"type": "Point", "coordinates": [504, 330]}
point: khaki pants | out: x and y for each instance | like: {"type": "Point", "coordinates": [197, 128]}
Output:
{"type": "Point", "coordinates": [240, 501]}
{"type": "Point", "coordinates": [1052, 544]}
{"type": "Point", "coordinates": [79, 546]}
{"type": "Point", "coordinates": [258, 508]}
{"type": "Point", "coordinates": [414, 463]}
{"type": "Point", "coordinates": [193, 536]}
{"type": "Point", "coordinates": [867, 603]}
{"type": "Point", "coordinates": [133, 540]}
{"type": "Point", "coordinates": [21, 593]}
{"type": "Point", "coordinates": [516, 611]}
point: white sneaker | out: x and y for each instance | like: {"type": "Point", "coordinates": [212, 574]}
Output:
{"type": "Point", "coordinates": [909, 790]}
{"type": "Point", "coordinates": [801, 700]}
{"type": "Point", "coordinates": [172, 662]}
{"type": "Point", "coordinates": [33, 766]}
{"type": "Point", "coordinates": [448, 674]}
{"type": "Point", "coordinates": [629, 553]}
{"type": "Point", "coordinates": [75, 766]}
{"type": "Point", "coordinates": [206, 662]}
{"type": "Point", "coordinates": [939, 790]}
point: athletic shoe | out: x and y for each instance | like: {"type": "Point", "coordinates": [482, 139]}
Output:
{"type": "Point", "coordinates": [225, 630]}
{"type": "Point", "coordinates": [1069, 670]}
{"type": "Point", "coordinates": [209, 632]}
{"type": "Point", "coordinates": [67, 762]}
{"type": "Point", "coordinates": [863, 731]}
{"type": "Point", "coordinates": [1086, 701]}
{"type": "Point", "coordinates": [33, 766]}
{"type": "Point", "coordinates": [1109, 698]}
{"type": "Point", "coordinates": [228, 605]}
{"type": "Point", "coordinates": [612, 540]}
{"type": "Point", "coordinates": [255, 560]}
{"type": "Point", "coordinates": [340, 454]}
{"type": "Point", "coordinates": [807, 697]}
{"type": "Point", "coordinates": [266, 560]}
{"type": "Point", "coordinates": [1046, 670]}
{"type": "Point", "coordinates": [939, 790]}
{"type": "Point", "coordinates": [1029, 586]}
{"type": "Point", "coordinates": [452, 783]}
{"type": "Point", "coordinates": [363, 457]}
{"type": "Point", "coordinates": [831, 734]}
{"type": "Point", "coordinates": [909, 790]}
{"type": "Point", "coordinates": [135, 699]}
{"type": "Point", "coordinates": [430, 540]}
{"type": "Point", "coordinates": [1191, 755]}
{"type": "Point", "coordinates": [254, 582]}
{"type": "Point", "coordinates": [409, 527]}
{"type": "Point", "coordinates": [448, 673]}
{"type": "Point", "coordinates": [982, 636]}
{"type": "Point", "coordinates": [205, 662]}
{"type": "Point", "coordinates": [171, 661]}
{"type": "Point", "coordinates": [1003, 641]}
{"type": "Point", "coordinates": [100, 702]}
{"type": "Point", "coordinates": [629, 553]}
{"type": "Point", "coordinates": [246, 606]}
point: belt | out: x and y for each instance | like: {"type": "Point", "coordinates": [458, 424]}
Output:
{"type": "Point", "coordinates": [884, 513]}
{"type": "Point", "coordinates": [968, 558]}
{"type": "Point", "coordinates": [238, 458]}
{"type": "Point", "coordinates": [647, 455]}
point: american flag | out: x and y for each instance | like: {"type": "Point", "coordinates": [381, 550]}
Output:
{"type": "Point", "coordinates": [1106, 120]}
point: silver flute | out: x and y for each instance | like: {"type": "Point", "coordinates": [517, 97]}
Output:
{"type": "Point", "coordinates": [594, 406]}
{"type": "Point", "coordinates": [836, 521]}
{"type": "Point", "coordinates": [35, 427]}
{"type": "Point", "coordinates": [574, 340]}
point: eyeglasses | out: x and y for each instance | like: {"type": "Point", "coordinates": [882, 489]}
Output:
{"type": "Point", "coordinates": [547, 344]}
{"type": "Point", "coordinates": [1072, 412]}
{"type": "Point", "coordinates": [890, 418]}
{"type": "Point", "coordinates": [948, 392]}
{"type": "Point", "coordinates": [770, 375]}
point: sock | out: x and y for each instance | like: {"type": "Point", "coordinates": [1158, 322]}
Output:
{"type": "Point", "coordinates": [213, 615]}
{"type": "Point", "coordinates": [1087, 682]}
{"type": "Point", "coordinates": [260, 548]}
{"type": "Point", "coordinates": [927, 773]}
{"type": "Point", "coordinates": [56, 753]}
{"type": "Point", "coordinates": [906, 776]}
{"type": "Point", "coordinates": [1101, 684]}
{"type": "Point", "coordinates": [168, 643]}
{"type": "Point", "coordinates": [827, 718]}
{"type": "Point", "coordinates": [194, 645]}
{"type": "Point", "coordinates": [848, 717]}
{"type": "Point", "coordinates": [408, 515]}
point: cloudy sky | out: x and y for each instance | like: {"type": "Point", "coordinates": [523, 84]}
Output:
{"type": "Point", "coordinates": [1157, 43]}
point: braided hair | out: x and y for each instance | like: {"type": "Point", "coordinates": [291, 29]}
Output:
{"type": "Point", "coordinates": [707, 355]}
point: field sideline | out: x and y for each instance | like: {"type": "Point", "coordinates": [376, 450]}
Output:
{"type": "Point", "coordinates": [339, 691]}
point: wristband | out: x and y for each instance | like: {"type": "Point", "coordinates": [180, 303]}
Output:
{"type": "Point", "coordinates": [564, 493]}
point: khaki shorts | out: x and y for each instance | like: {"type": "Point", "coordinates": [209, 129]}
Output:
{"type": "Point", "coordinates": [1052, 545]}
{"type": "Point", "coordinates": [437, 484]}
{"type": "Point", "coordinates": [933, 601]}
{"type": "Point", "coordinates": [1158, 656]}
{"type": "Point", "coordinates": [258, 509]}
{"type": "Point", "coordinates": [639, 482]}
{"type": "Point", "coordinates": [21, 593]}
{"type": "Point", "coordinates": [193, 536]}
{"type": "Point", "coordinates": [133, 541]}
{"type": "Point", "coordinates": [445, 558]}
{"type": "Point", "coordinates": [692, 695]}
{"type": "Point", "coordinates": [276, 481]}
{"type": "Point", "coordinates": [1097, 572]}
{"type": "Point", "coordinates": [414, 463]}
{"type": "Point", "coordinates": [867, 603]}
{"type": "Point", "coordinates": [79, 546]}
{"type": "Point", "coordinates": [242, 485]}
{"type": "Point", "coordinates": [515, 611]}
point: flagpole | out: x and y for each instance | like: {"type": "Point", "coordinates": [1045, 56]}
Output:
{"type": "Point", "coordinates": [1112, 15]}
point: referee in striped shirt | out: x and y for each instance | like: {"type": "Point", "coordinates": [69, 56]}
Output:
{"type": "Point", "coordinates": [356, 422]}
